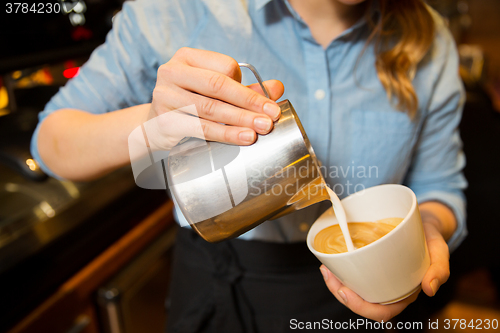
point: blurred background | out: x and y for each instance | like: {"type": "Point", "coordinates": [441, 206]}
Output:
{"type": "Point", "coordinates": [95, 257]}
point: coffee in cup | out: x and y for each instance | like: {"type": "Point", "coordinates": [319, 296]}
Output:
{"type": "Point", "coordinates": [331, 239]}
{"type": "Point", "coordinates": [390, 268]}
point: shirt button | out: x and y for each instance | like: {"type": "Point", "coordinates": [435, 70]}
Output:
{"type": "Point", "coordinates": [319, 94]}
{"type": "Point", "coordinates": [304, 227]}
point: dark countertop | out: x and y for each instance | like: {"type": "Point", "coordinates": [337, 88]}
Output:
{"type": "Point", "coordinates": [38, 255]}
{"type": "Point", "coordinates": [50, 229]}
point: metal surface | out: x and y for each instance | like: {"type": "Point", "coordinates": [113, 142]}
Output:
{"type": "Point", "coordinates": [225, 190]}
{"type": "Point", "coordinates": [34, 214]}
{"type": "Point", "coordinates": [257, 76]}
{"type": "Point", "coordinates": [35, 263]}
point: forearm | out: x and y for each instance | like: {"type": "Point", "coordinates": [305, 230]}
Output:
{"type": "Point", "coordinates": [440, 215]}
{"type": "Point", "coordinates": [81, 146]}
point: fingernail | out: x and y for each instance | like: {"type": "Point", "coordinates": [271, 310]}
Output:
{"type": "Point", "coordinates": [247, 136]}
{"type": "Point", "coordinates": [434, 286]}
{"type": "Point", "coordinates": [263, 124]}
{"type": "Point", "coordinates": [324, 272]}
{"type": "Point", "coordinates": [342, 295]}
{"type": "Point", "coordinates": [272, 110]}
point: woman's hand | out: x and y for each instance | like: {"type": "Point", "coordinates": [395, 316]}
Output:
{"type": "Point", "coordinates": [227, 111]}
{"type": "Point", "coordinates": [435, 217]}
{"type": "Point", "coordinates": [82, 146]}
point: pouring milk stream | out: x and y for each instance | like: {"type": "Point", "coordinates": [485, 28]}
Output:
{"type": "Point", "coordinates": [341, 217]}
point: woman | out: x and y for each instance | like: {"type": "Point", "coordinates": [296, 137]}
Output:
{"type": "Point", "coordinates": [375, 84]}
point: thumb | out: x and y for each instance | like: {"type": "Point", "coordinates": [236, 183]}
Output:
{"type": "Point", "coordinates": [274, 87]}
{"type": "Point", "coordinates": [332, 283]}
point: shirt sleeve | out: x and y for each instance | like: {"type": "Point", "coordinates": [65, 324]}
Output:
{"type": "Point", "coordinates": [436, 170]}
{"type": "Point", "coordinates": [120, 73]}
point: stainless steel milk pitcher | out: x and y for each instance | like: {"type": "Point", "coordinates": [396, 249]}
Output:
{"type": "Point", "coordinates": [225, 190]}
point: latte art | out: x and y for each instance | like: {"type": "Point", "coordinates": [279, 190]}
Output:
{"type": "Point", "coordinates": [330, 240]}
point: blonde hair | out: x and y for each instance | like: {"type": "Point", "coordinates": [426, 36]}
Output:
{"type": "Point", "coordinates": [402, 32]}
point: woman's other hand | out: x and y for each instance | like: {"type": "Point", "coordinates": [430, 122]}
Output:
{"type": "Point", "coordinates": [437, 220]}
{"type": "Point", "coordinates": [356, 304]}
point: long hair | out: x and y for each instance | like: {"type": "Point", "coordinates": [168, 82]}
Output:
{"type": "Point", "coordinates": [402, 34]}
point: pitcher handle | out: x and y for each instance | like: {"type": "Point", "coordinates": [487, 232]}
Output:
{"type": "Point", "coordinates": [257, 76]}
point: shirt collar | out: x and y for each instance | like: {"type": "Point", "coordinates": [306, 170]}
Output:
{"type": "Point", "coordinates": [261, 3]}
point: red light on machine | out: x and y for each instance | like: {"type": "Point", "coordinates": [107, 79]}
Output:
{"type": "Point", "coordinates": [71, 72]}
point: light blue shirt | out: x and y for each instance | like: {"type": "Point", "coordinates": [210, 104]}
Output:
{"type": "Point", "coordinates": [340, 100]}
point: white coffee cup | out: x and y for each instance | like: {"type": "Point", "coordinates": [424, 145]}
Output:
{"type": "Point", "coordinates": [391, 268]}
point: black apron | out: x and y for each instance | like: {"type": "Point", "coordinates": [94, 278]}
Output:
{"type": "Point", "coordinates": [247, 286]}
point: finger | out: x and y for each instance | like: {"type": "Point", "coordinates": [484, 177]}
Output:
{"type": "Point", "coordinates": [166, 130]}
{"type": "Point", "coordinates": [356, 304]}
{"type": "Point", "coordinates": [228, 66]}
{"type": "Point", "coordinates": [375, 311]}
{"type": "Point", "coordinates": [333, 284]}
{"type": "Point", "coordinates": [219, 86]}
{"type": "Point", "coordinates": [210, 60]}
{"type": "Point", "coordinates": [439, 270]}
{"type": "Point", "coordinates": [211, 109]}
{"type": "Point", "coordinates": [228, 134]}
{"type": "Point", "coordinates": [274, 87]}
